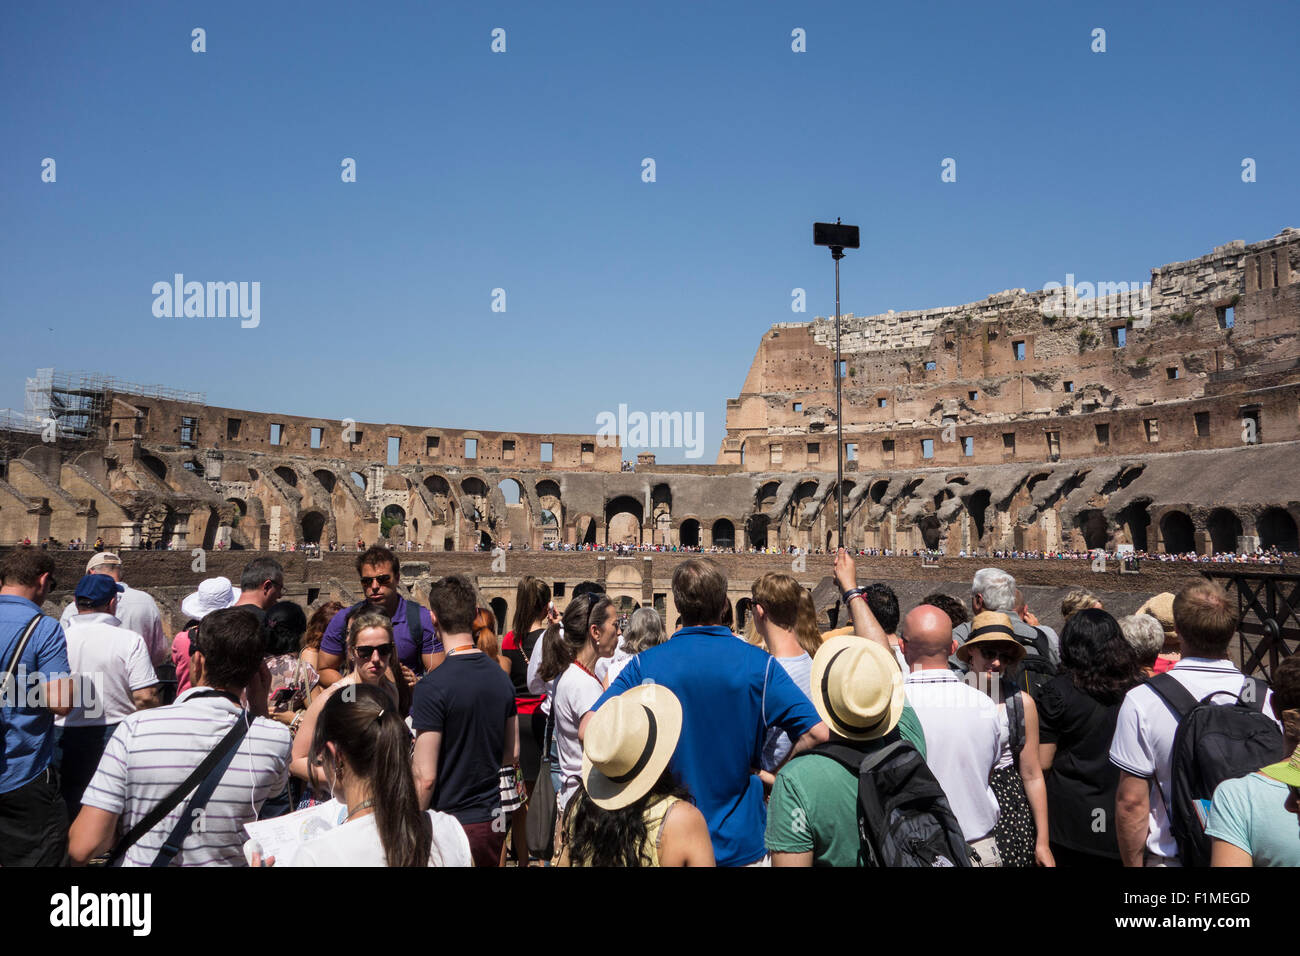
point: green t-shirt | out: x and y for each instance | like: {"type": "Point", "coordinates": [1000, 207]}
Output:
{"type": "Point", "coordinates": [814, 804]}
{"type": "Point", "coordinates": [1249, 812]}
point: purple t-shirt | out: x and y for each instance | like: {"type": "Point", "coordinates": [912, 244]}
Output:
{"type": "Point", "coordinates": [334, 640]}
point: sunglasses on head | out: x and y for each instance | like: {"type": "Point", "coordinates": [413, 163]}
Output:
{"type": "Point", "coordinates": [366, 651]}
{"type": "Point", "coordinates": [382, 580]}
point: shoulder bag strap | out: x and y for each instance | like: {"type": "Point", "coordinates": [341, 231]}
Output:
{"type": "Point", "coordinates": [1173, 693]}
{"type": "Point", "coordinates": [226, 749]}
{"type": "Point", "coordinates": [169, 803]}
{"type": "Point", "coordinates": [23, 640]}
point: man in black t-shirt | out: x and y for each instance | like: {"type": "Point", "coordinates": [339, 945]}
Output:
{"type": "Point", "coordinates": [466, 725]}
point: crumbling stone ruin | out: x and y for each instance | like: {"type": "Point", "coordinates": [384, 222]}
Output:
{"type": "Point", "coordinates": [988, 425]}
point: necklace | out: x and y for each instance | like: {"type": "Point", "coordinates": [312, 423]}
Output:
{"type": "Point", "coordinates": [366, 805]}
{"type": "Point", "coordinates": [588, 670]}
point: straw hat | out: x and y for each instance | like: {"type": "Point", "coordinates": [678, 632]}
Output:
{"type": "Point", "coordinates": [1161, 607]}
{"type": "Point", "coordinates": [628, 745]}
{"type": "Point", "coordinates": [857, 688]}
{"type": "Point", "coordinates": [991, 627]}
{"type": "Point", "coordinates": [214, 594]}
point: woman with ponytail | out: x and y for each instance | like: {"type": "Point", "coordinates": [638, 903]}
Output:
{"type": "Point", "coordinates": [362, 745]}
{"type": "Point", "coordinates": [588, 632]}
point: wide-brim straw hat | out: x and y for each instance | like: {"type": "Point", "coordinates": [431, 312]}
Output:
{"type": "Point", "coordinates": [628, 745]}
{"type": "Point", "coordinates": [1161, 607]}
{"type": "Point", "coordinates": [214, 594]}
{"type": "Point", "coordinates": [857, 687]}
{"type": "Point", "coordinates": [991, 627]}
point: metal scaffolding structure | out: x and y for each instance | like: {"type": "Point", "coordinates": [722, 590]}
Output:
{"type": "Point", "coordinates": [78, 401]}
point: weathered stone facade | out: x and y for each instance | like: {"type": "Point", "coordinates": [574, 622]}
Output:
{"type": "Point", "coordinates": [988, 425]}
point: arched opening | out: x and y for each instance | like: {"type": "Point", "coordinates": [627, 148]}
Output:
{"type": "Point", "coordinates": [623, 521]}
{"type": "Point", "coordinates": [1224, 528]}
{"type": "Point", "coordinates": [744, 607]}
{"type": "Point", "coordinates": [155, 466]}
{"type": "Point", "coordinates": [1177, 533]}
{"type": "Point", "coordinates": [485, 541]}
{"type": "Point", "coordinates": [690, 533]}
{"type": "Point", "coordinates": [878, 490]}
{"type": "Point", "coordinates": [474, 487]}
{"type": "Point", "coordinates": [724, 534]}
{"type": "Point", "coordinates": [550, 529]}
{"type": "Point", "coordinates": [498, 607]}
{"type": "Point", "coordinates": [210, 529]}
{"type": "Point", "coordinates": [1277, 530]}
{"type": "Point", "coordinates": [931, 529]}
{"type": "Point", "coordinates": [326, 478]}
{"type": "Point", "coordinates": [287, 475]}
{"type": "Point", "coordinates": [1034, 481]}
{"type": "Point", "coordinates": [910, 487]}
{"type": "Point", "coordinates": [359, 480]}
{"type": "Point", "coordinates": [392, 523]}
{"type": "Point", "coordinates": [437, 485]}
{"type": "Point", "coordinates": [1130, 475]}
{"type": "Point", "coordinates": [766, 496]}
{"type": "Point", "coordinates": [313, 524]}
{"type": "Point", "coordinates": [510, 490]}
{"type": "Point", "coordinates": [1135, 519]}
{"type": "Point", "coordinates": [758, 525]}
{"type": "Point", "coordinates": [1092, 523]}
{"type": "Point", "coordinates": [587, 525]}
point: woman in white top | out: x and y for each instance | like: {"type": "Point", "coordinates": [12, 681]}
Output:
{"type": "Point", "coordinates": [645, 629]}
{"type": "Point", "coordinates": [362, 744]}
{"type": "Point", "coordinates": [588, 632]}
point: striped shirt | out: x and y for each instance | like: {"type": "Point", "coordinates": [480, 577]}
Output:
{"type": "Point", "coordinates": [153, 751]}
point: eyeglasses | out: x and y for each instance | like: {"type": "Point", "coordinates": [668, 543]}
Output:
{"type": "Point", "coordinates": [366, 651]}
{"type": "Point", "coordinates": [1003, 654]}
{"type": "Point", "coordinates": [383, 580]}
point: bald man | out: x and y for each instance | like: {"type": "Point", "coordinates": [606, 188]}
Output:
{"type": "Point", "coordinates": [961, 728]}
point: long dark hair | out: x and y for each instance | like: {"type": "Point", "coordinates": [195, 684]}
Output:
{"type": "Point", "coordinates": [531, 599]}
{"type": "Point", "coordinates": [560, 645]}
{"type": "Point", "coordinates": [1100, 662]}
{"type": "Point", "coordinates": [374, 741]}
{"type": "Point", "coordinates": [614, 837]}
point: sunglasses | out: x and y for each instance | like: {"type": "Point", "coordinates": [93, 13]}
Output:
{"type": "Point", "coordinates": [383, 580]}
{"type": "Point", "coordinates": [366, 651]}
{"type": "Point", "coordinates": [1002, 654]}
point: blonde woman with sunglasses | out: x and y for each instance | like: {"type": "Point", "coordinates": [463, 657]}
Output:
{"type": "Point", "coordinates": [370, 651]}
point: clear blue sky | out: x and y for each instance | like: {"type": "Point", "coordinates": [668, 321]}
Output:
{"type": "Point", "coordinates": [522, 171]}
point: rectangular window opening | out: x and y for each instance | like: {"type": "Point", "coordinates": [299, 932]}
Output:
{"type": "Point", "coordinates": [814, 453]}
{"type": "Point", "coordinates": [1009, 442]}
{"type": "Point", "coordinates": [394, 449]}
{"type": "Point", "coordinates": [973, 395]}
{"type": "Point", "coordinates": [588, 453]}
{"type": "Point", "coordinates": [775, 454]}
{"type": "Point", "coordinates": [1152, 428]}
{"type": "Point", "coordinates": [548, 452]}
{"type": "Point", "coordinates": [968, 446]}
{"type": "Point", "coordinates": [471, 447]}
{"type": "Point", "coordinates": [1103, 434]}
{"type": "Point", "coordinates": [1118, 336]}
{"type": "Point", "coordinates": [232, 428]}
{"type": "Point", "coordinates": [1171, 373]}
{"type": "Point", "coordinates": [1202, 420]}
{"type": "Point", "coordinates": [1019, 348]}
{"type": "Point", "coordinates": [508, 449]}
{"type": "Point", "coordinates": [316, 435]}
{"type": "Point", "coordinates": [930, 366]}
{"type": "Point", "coordinates": [850, 451]}
{"type": "Point", "coordinates": [1226, 318]}
{"type": "Point", "coordinates": [927, 447]}
{"type": "Point", "coordinates": [431, 443]}
{"type": "Point", "coordinates": [1069, 386]}
{"type": "Point", "coordinates": [798, 406]}
{"type": "Point", "coordinates": [277, 433]}
{"type": "Point", "coordinates": [189, 432]}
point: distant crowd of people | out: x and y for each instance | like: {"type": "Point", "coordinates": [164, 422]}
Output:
{"type": "Point", "coordinates": [943, 734]}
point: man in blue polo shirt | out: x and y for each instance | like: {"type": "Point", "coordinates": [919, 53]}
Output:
{"type": "Point", "coordinates": [731, 693]}
{"type": "Point", "coordinates": [380, 573]}
{"type": "Point", "coordinates": [33, 818]}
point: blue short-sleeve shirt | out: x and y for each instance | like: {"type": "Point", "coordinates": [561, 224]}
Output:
{"type": "Point", "coordinates": [28, 731]}
{"type": "Point", "coordinates": [731, 693]}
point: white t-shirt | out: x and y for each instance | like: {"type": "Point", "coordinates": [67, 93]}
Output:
{"type": "Point", "coordinates": [136, 611]}
{"type": "Point", "coordinates": [1144, 736]}
{"type": "Point", "coordinates": [962, 744]}
{"type": "Point", "coordinates": [357, 843]}
{"type": "Point", "coordinates": [535, 683]}
{"type": "Point", "coordinates": [108, 662]}
{"type": "Point", "coordinates": [575, 692]}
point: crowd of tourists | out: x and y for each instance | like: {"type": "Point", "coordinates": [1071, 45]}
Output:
{"type": "Point", "coordinates": [942, 734]}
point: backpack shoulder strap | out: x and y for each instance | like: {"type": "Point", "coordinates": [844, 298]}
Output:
{"type": "Point", "coordinates": [1016, 723]}
{"type": "Point", "coordinates": [847, 757]}
{"type": "Point", "coordinates": [1173, 693]}
{"type": "Point", "coordinates": [23, 640]}
{"type": "Point", "coordinates": [414, 626]}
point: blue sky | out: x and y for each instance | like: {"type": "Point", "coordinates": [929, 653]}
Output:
{"type": "Point", "coordinates": [522, 171]}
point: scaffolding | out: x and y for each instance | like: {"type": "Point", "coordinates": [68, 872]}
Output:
{"type": "Point", "coordinates": [78, 401]}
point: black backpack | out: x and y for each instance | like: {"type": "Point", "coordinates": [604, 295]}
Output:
{"type": "Point", "coordinates": [1037, 668]}
{"type": "Point", "coordinates": [1213, 743]}
{"type": "Point", "coordinates": [903, 814]}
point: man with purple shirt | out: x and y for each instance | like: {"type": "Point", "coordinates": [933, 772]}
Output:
{"type": "Point", "coordinates": [419, 649]}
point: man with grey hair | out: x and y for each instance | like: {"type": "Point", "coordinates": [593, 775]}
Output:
{"type": "Point", "coordinates": [993, 589]}
{"type": "Point", "coordinates": [136, 610]}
